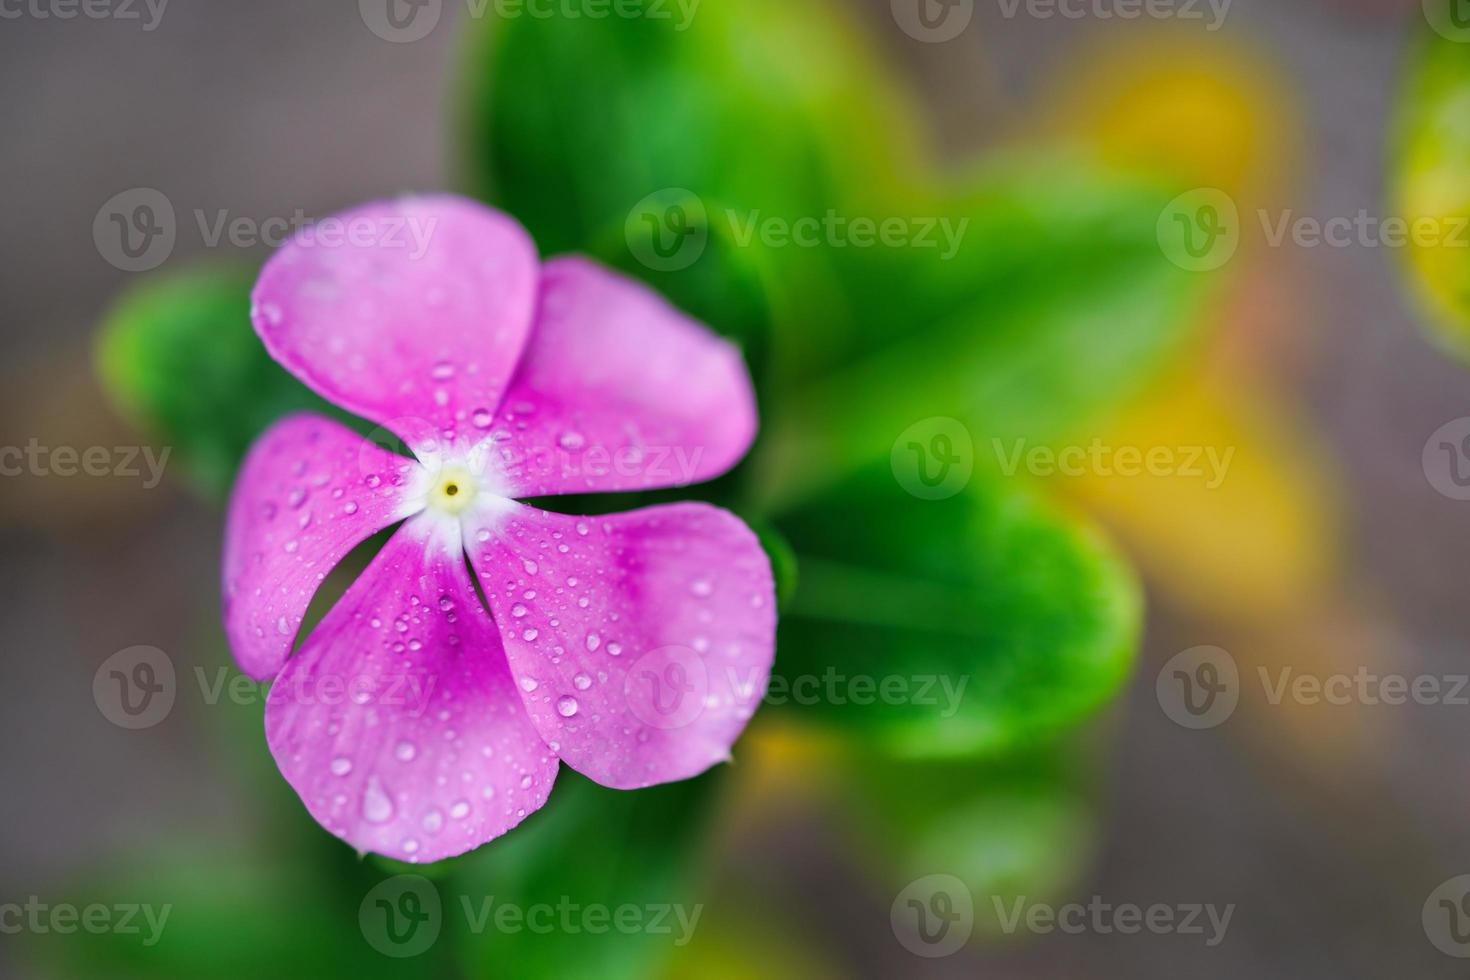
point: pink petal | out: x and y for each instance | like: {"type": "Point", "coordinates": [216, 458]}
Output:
{"type": "Point", "coordinates": [620, 391]}
{"type": "Point", "coordinates": [397, 722]}
{"type": "Point", "coordinates": [641, 642]}
{"type": "Point", "coordinates": [309, 492]}
{"type": "Point", "coordinates": [413, 314]}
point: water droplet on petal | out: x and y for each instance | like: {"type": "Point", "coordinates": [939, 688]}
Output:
{"type": "Point", "coordinates": [376, 806]}
{"type": "Point", "coordinates": [341, 766]}
{"type": "Point", "coordinates": [581, 682]}
{"type": "Point", "coordinates": [528, 684]}
{"type": "Point", "coordinates": [405, 751]}
{"type": "Point", "coordinates": [566, 705]}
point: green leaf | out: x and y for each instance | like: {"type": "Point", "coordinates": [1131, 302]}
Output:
{"type": "Point", "coordinates": [994, 620]}
{"type": "Point", "coordinates": [1024, 826]}
{"type": "Point", "coordinates": [751, 103]}
{"type": "Point", "coordinates": [587, 853]}
{"type": "Point", "coordinates": [1057, 306]}
{"type": "Point", "coordinates": [1430, 178]}
{"type": "Point", "coordinates": [179, 357]}
{"type": "Point", "coordinates": [754, 110]}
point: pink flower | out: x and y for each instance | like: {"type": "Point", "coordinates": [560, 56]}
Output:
{"type": "Point", "coordinates": [633, 647]}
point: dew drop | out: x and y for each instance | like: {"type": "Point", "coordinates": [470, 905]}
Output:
{"type": "Point", "coordinates": [376, 806]}
{"type": "Point", "coordinates": [341, 766]}
{"type": "Point", "coordinates": [593, 641]}
{"type": "Point", "coordinates": [528, 684]}
{"type": "Point", "coordinates": [405, 751]}
{"type": "Point", "coordinates": [581, 682]}
{"type": "Point", "coordinates": [518, 610]}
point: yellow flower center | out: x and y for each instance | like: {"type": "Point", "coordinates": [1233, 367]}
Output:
{"type": "Point", "coordinates": [454, 490]}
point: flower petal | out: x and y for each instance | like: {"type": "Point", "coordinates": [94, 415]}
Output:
{"type": "Point", "coordinates": [411, 313]}
{"type": "Point", "coordinates": [397, 722]}
{"type": "Point", "coordinates": [620, 391]}
{"type": "Point", "coordinates": [641, 642]}
{"type": "Point", "coordinates": [309, 492]}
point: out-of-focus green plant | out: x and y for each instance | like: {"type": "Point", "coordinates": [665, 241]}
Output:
{"type": "Point", "coordinates": [1430, 177]}
{"type": "Point", "coordinates": [179, 357]}
{"type": "Point", "coordinates": [1053, 304]}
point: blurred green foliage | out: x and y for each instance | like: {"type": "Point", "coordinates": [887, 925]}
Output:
{"type": "Point", "coordinates": [998, 619]}
{"type": "Point", "coordinates": [1430, 176]}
